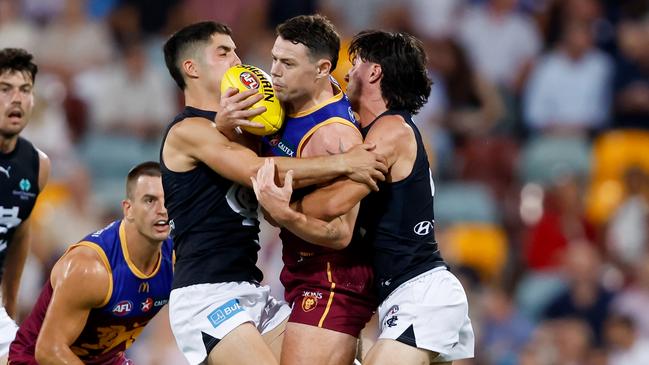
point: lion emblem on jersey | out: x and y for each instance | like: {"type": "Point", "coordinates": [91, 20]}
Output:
{"type": "Point", "coordinates": [309, 302]}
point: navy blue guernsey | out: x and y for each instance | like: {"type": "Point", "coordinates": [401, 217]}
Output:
{"type": "Point", "coordinates": [18, 191]}
{"type": "Point", "coordinates": [398, 221]}
{"type": "Point", "coordinates": [213, 222]}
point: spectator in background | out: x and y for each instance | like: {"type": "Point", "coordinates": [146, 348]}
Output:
{"type": "Point", "coordinates": [562, 224]}
{"type": "Point", "coordinates": [569, 88]}
{"type": "Point", "coordinates": [16, 30]}
{"type": "Point", "coordinates": [129, 97]}
{"type": "Point", "coordinates": [72, 42]}
{"type": "Point", "coordinates": [585, 297]}
{"type": "Point", "coordinates": [627, 236]}
{"type": "Point", "coordinates": [462, 105]}
{"type": "Point", "coordinates": [627, 346]}
{"type": "Point", "coordinates": [473, 105]}
{"type": "Point", "coordinates": [501, 42]}
{"type": "Point", "coordinates": [631, 83]}
{"type": "Point", "coordinates": [505, 331]}
{"type": "Point", "coordinates": [633, 301]}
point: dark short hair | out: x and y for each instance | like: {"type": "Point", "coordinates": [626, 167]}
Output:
{"type": "Point", "coordinates": [405, 83]}
{"type": "Point", "coordinates": [148, 168]}
{"type": "Point", "coordinates": [17, 60]}
{"type": "Point", "coordinates": [184, 39]}
{"type": "Point", "coordinates": [315, 32]}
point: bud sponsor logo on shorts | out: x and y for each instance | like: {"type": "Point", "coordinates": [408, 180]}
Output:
{"type": "Point", "coordinates": [123, 308]}
{"type": "Point", "coordinates": [310, 300]}
{"type": "Point", "coordinates": [224, 312]}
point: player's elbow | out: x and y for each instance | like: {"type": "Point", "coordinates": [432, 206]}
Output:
{"type": "Point", "coordinates": [46, 351]}
{"type": "Point", "coordinates": [341, 242]}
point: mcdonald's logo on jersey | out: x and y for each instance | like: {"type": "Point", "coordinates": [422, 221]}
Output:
{"type": "Point", "coordinates": [144, 287]}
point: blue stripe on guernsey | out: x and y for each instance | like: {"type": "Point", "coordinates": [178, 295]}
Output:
{"type": "Point", "coordinates": [297, 128]}
{"type": "Point", "coordinates": [133, 298]}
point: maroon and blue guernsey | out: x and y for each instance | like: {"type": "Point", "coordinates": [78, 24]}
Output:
{"type": "Point", "coordinates": [132, 300]}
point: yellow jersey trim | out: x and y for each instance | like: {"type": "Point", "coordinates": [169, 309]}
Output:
{"type": "Point", "coordinates": [104, 259]}
{"type": "Point", "coordinates": [331, 120]}
{"type": "Point", "coordinates": [338, 95]}
{"type": "Point", "coordinates": [127, 257]}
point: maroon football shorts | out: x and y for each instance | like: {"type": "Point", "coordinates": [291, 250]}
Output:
{"type": "Point", "coordinates": [330, 292]}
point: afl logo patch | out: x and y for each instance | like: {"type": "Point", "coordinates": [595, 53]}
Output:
{"type": "Point", "coordinates": [309, 302]}
{"type": "Point", "coordinates": [249, 80]}
{"type": "Point", "coordinates": [423, 228]}
{"type": "Point", "coordinates": [122, 308]}
{"type": "Point", "coordinates": [274, 139]}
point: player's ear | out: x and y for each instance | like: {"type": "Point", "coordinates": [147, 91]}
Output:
{"type": "Point", "coordinates": [376, 72]}
{"type": "Point", "coordinates": [323, 67]}
{"type": "Point", "coordinates": [189, 68]}
{"type": "Point", "coordinates": [126, 209]}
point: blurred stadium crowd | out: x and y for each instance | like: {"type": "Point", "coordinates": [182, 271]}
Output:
{"type": "Point", "coordinates": [538, 126]}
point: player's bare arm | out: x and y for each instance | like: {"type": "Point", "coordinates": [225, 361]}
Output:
{"type": "Point", "coordinates": [196, 139]}
{"type": "Point", "coordinates": [335, 233]}
{"type": "Point", "coordinates": [81, 282]}
{"type": "Point", "coordinates": [388, 135]}
{"type": "Point", "coordinates": [19, 248]}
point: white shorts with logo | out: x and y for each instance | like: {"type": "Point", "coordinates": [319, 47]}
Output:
{"type": "Point", "coordinates": [430, 312]}
{"type": "Point", "coordinates": [8, 331]}
{"type": "Point", "coordinates": [203, 314]}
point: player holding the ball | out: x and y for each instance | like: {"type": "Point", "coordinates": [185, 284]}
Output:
{"type": "Point", "coordinates": [423, 311]}
{"type": "Point", "coordinates": [219, 313]}
{"type": "Point", "coordinates": [329, 288]}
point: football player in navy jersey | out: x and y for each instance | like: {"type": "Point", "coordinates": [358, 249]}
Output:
{"type": "Point", "coordinates": [423, 311]}
{"type": "Point", "coordinates": [105, 288]}
{"type": "Point", "coordinates": [24, 170]}
{"type": "Point", "coordinates": [219, 312]}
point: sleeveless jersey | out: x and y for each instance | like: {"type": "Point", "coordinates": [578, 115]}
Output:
{"type": "Point", "coordinates": [18, 191]}
{"type": "Point", "coordinates": [213, 222]}
{"type": "Point", "coordinates": [289, 142]}
{"type": "Point", "coordinates": [398, 221]}
{"type": "Point", "coordinates": [133, 299]}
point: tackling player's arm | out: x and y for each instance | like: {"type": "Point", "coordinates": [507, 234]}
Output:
{"type": "Point", "coordinates": [387, 134]}
{"type": "Point", "coordinates": [318, 213]}
{"type": "Point", "coordinates": [19, 247]}
{"type": "Point", "coordinates": [335, 233]}
{"type": "Point", "coordinates": [196, 139]}
{"type": "Point", "coordinates": [81, 282]}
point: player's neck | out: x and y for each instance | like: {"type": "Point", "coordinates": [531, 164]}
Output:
{"type": "Point", "coordinates": [370, 107]}
{"type": "Point", "coordinates": [8, 144]}
{"type": "Point", "coordinates": [321, 94]}
{"type": "Point", "coordinates": [143, 253]}
{"type": "Point", "coordinates": [202, 99]}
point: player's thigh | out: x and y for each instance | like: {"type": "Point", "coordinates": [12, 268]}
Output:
{"type": "Point", "coordinates": [242, 346]}
{"type": "Point", "coordinates": [368, 336]}
{"type": "Point", "coordinates": [305, 344]}
{"type": "Point", "coordinates": [391, 352]}
{"type": "Point", "coordinates": [275, 338]}
{"type": "Point", "coordinates": [3, 360]}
